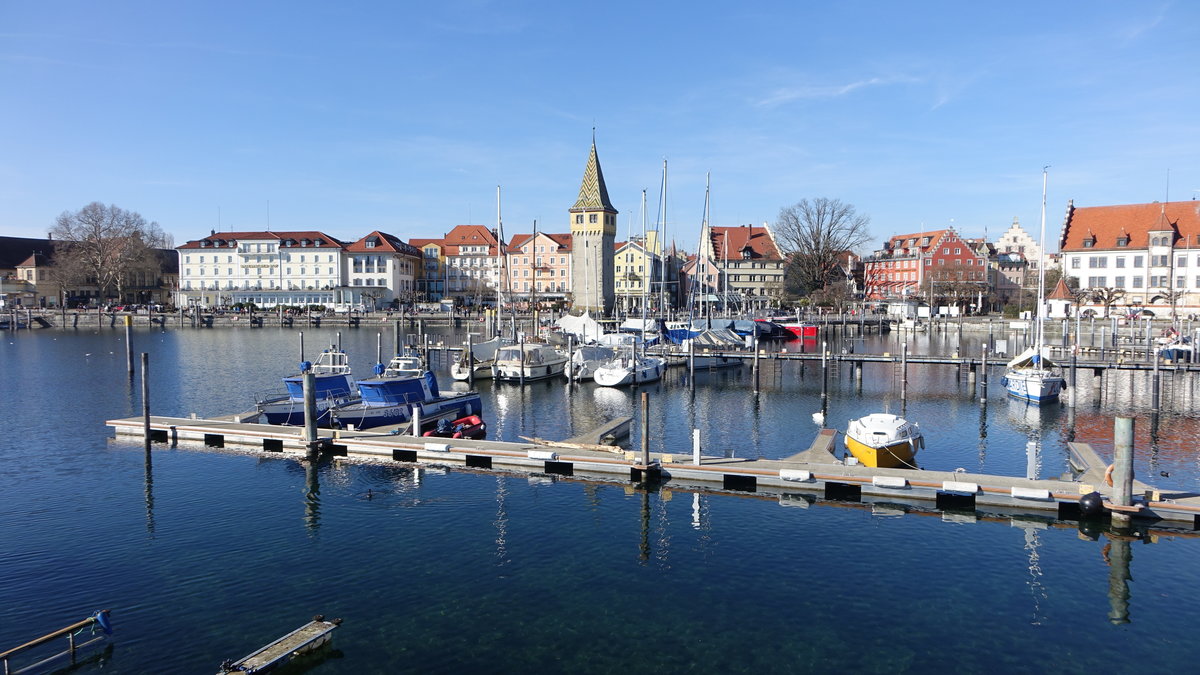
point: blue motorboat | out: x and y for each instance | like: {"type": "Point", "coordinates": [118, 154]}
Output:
{"type": "Point", "coordinates": [333, 387]}
{"type": "Point", "coordinates": [398, 388]}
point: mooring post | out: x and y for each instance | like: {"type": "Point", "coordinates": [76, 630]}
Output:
{"type": "Point", "coordinates": [379, 347]}
{"type": "Point", "coordinates": [570, 358]}
{"type": "Point", "coordinates": [469, 359]}
{"type": "Point", "coordinates": [983, 377]}
{"type": "Point", "coordinates": [1071, 394]}
{"type": "Point", "coordinates": [415, 427]}
{"type": "Point", "coordinates": [1149, 339]}
{"type": "Point", "coordinates": [428, 349]}
{"type": "Point", "coordinates": [1122, 474]}
{"type": "Point", "coordinates": [310, 411]}
{"type": "Point", "coordinates": [691, 363]}
{"type": "Point", "coordinates": [146, 397]}
{"type": "Point", "coordinates": [128, 344]}
{"type": "Point", "coordinates": [521, 361]}
{"type": "Point", "coordinates": [1155, 389]}
{"type": "Point", "coordinates": [646, 429]}
{"type": "Point", "coordinates": [755, 366]}
{"type": "Point", "coordinates": [696, 447]}
{"type": "Point", "coordinates": [397, 337]}
{"type": "Point", "coordinates": [824, 375]}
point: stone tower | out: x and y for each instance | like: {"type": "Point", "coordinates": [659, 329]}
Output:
{"type": "Point", "coordinates": [593, 234]}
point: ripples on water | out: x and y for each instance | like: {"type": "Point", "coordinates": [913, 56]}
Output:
{"type": "Point", "coordinates": [204, 555]}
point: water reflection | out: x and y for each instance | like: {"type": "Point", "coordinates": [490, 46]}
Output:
{"type": "Point", "coordinates": [312, 496]}
{"type": "Point", "coordinates": [149, 490]}
{"type": "Point", "coordinates": [1119, 557]}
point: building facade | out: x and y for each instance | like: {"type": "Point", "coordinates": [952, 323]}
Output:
{"type": "Point", "coordinates": [927, 266]}
{"type": "Point", "coordinates": [1146, 257]}
{"type": "Point", "coordinates": [638, 267]}
{"type": "Point", "coordinates": [539, 268]}
{"type": "Point", "coordinates": [473, 263]}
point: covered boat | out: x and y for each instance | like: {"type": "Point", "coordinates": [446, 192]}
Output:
{"type": "Point", "coordinates": [884, 440]}
{"type": "Point", "coordinates": [630, 368]}
{"type": "Point", "coordinates": [1033, 377]}
{"type": "Point", "coordinates": [481, 358]}
{"type": "Point", "coordinates": [529, 361]}
{"type": "Point", "coordinates": [586, 359]}
{"type": "Point", "coordinates": [390, 397]}
{"type": "Point", "coordinates": [333, 387]}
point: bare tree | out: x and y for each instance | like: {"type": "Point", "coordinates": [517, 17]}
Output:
{"type": "Point", "coordinates": [1107, 296]}
{"type": "Point", "coordinates": [105, 245]}
{"type": "Point", "coordinates": [815, 234]}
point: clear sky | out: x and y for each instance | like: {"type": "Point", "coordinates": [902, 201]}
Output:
{"type": "Point", "coordinates": [347, 117]}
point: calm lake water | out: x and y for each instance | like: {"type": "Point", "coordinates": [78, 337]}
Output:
{"type": "Point", "coordinates": [204, 555]}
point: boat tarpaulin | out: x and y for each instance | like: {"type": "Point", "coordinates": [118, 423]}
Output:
{"type": "Point", "coordinates": [583, 327]}
{"type": "Point", "coordinates": [1030, 358]}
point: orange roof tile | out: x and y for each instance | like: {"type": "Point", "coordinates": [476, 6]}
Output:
{"type": "Point", "coordinates": [1105, 224]}
{"type": "Point", "coordinates": [758, 239]}
{"type": "Point", "coordinates": [283, 237]}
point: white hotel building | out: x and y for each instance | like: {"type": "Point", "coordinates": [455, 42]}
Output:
{"type": "Point", "coordinates": [1149, 254]}
{"type": "Point", "coordinates": [295, 269]}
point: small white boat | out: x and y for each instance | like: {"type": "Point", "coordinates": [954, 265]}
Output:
{"type": "Point", "coordinates": [628, 368]}
{"type": "Point", "coordinates": [528, 362]}
{"type": "Point", "coordinates": [586, 359]}
{"type": "Point", "coordinates": [884, 440]}
{"type": "Point", "coordinates": [481, 360]}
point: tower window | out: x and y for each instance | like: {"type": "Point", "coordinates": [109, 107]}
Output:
{"type": "Point", "coordinates": [592, 218]}
{"type": "Point", "coordinates": [579, 218]}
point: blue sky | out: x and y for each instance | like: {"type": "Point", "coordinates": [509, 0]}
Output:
{"type": "Point", "coordinates": [347, 117]}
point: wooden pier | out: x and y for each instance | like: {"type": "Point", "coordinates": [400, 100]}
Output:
{"type": "Point", "coordinates": [810, 475]}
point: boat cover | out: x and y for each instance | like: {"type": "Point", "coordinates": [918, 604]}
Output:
{"type": "Point", "coordinates": [1031, 359]}
{"type": "Point", "coordinates": [583, 327]}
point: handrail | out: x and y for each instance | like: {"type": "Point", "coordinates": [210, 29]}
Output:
{"type": "Point", "coordinates": [50, 636]}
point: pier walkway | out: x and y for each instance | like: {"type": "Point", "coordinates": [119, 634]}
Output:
{"type": "Point", "coordinates": [812, 474]}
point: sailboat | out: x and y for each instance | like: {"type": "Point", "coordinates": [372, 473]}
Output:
{"type": "Point", "coordinates": [634, 367]}
{"type": "Point", "coordinates": [1032, 376]}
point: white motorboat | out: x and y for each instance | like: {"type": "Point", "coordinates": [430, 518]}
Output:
{"type": "Point", "coordinates": [529, 361]}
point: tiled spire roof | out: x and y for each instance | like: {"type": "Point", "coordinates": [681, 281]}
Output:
{"type": "Point", "coordinates": [593, 194]}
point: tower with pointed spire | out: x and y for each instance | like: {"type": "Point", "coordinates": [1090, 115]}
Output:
{"type": "Point", "coordinates": [593, 235]}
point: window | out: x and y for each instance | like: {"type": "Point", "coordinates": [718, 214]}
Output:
{"type": "Point", "coordinates": [1119, 282]}
{"type": "Point", "coordinates": [1122, 241]}
{"type": "Point", "coordinates": [945, 251]}
{"type": "Point", "coordinates": [928, 262]}
{"type": "Point", "coordinates": [1097, 261]}
{"type": "Point", "coordinates": [1088, 243]}
{"type": "Point", "coordinates": [592, 218]}
{"type": "Point", "coordinates": [1120, 261]}
{"type": "Point", "coordinates": [958, 251]}
{"type": "Point", "coordinates": [1137, 261]}
{"type": "Point", "coordinates": [1181, 261]}
{"type": "Point", "coordinates": [1075, 262]}
{"type": "Point", "coordinates": [1180, 282]}
{"type": "Point", "coordinates": [579, 218]}
{"type": "Point", "coordinates": [1095, 282]}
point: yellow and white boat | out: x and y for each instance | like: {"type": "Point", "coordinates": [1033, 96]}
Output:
{"type": "Point", "coordinates": [884, 440]}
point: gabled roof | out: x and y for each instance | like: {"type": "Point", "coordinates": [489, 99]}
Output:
{"type": "Point", "coordinates": [898, 241]}
{"type": "Point", "coordinates": [593, 194]}
{"type": "Point", "coordinates": [1061, 291]}
{"type": "Point", "coordinates": [469, 235]}
{"type": "Point", "coordinates": [308, 239]}
{"type": "Point", "coordinates": [14, 250]}
{"type": "Point", "coordinates": [383, 242]}
{"type": "Point", "coordinates": [423, 242]}
{"type": "Point", "coordinates": [563, 240]}
{"type": "Point", "coordinates": [757, 239]}
{"type": "Point", "coordinates": [1108, 223]}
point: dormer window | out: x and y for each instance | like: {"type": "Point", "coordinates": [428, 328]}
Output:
{"type": "Point", "coordinates": [1090, 242]}
{"type": "Point", "coordinates": [304, 242]}
{"type": "Point", "coordinates": [1122, 241]}
{"type": "Point", "coordinates": [318, 242]}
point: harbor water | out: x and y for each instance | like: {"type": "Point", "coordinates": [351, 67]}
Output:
{"type": "Point", "coordinates": [205, 554]}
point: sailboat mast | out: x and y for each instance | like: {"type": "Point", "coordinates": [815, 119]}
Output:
{"type": "Point", "coordinates": [1042, 266]}
{"type": "Point", "coordinates": [662, 242]}
{"type": "Point", "coordinates": [645, 275]}
{"type": "Point", "coordinates": [707, 270]}
{"type": "Point", "coordinates": [501, 277]}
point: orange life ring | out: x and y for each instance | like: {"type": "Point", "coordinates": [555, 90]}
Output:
{"type": "Point", "coordinates": [1108, 475]}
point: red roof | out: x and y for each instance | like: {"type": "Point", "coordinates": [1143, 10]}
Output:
{"type": "Point", "coordinates": [757, 239]}
{"type": "Point", "coordinates": [519, 240]}
{"type": "Point", "coordinates": [900, 241]}
{"type": "Point", "coordinates": [285, 239]}
{"type": "Point", "coordinates": [382, 241]}
{"type": "Point", "coordinates": [1061, 291]}
{"type": "Point", "coordinates": [1104, 225]}
{"type": "Point", "coordinates": [469, 235]}
{"type": "Point", "coordinates": [422, 243]}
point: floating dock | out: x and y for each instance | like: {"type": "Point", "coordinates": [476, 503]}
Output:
{"type": "Point", "coordinates": [309, 637]}
{"type": "Point", "coordinates": [812, 474]}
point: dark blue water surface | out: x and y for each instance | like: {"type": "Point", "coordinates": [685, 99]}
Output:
{"type": "Point", "coordinates": [204, 555]}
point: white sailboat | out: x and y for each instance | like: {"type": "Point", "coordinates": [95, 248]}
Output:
{"type": "Point", "coordinates": [1032, 376]}
{"type": "Point", "coordinates": [633, 367]}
